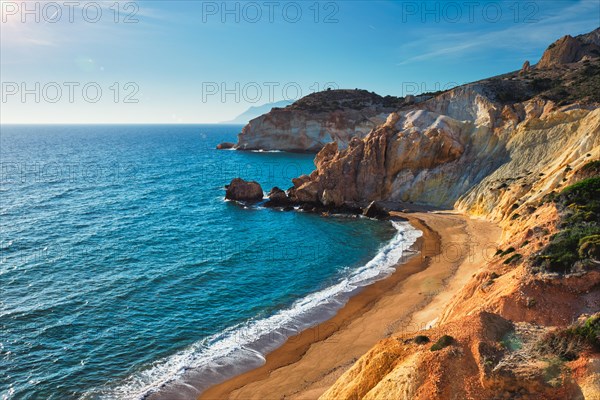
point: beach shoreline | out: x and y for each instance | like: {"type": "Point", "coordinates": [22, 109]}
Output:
{"type": "Point", "coordinates": [309, 362]}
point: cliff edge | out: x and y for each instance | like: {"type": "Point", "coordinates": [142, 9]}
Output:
{"type": "Point", "coordinates": [527, 324]}
{"type": "Point", "coordinates": [317, 119]}
{"type": "Point", "coordinates": [520, 149]}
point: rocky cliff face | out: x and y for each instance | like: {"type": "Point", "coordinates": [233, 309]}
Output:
{"type": "Point", "coordinates": [341, 115]}
{"type": "Point", "coordinates": [317, 119]}
{"type": "Point", "coordinates": [515, 332]}
{"type": "Point", "coordinates": [468, 148]}
{"type": "Point", "coordinates": [500, 149]}
{"type": "Point", "coordinates": [569, 49]}
{"type": "Point", "coordinates": [420, 154]}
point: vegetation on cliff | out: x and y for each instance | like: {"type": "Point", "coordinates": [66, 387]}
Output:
{"type": "Point", "coordinates": [340, 99]}
{"type": "Point", "coordinates": [569, 343]}
{"type": "Point", "coordinates": [512, 322]}
{"type": "Point", "coordinates": [565, 85]}
{"type": "Point", "coordinates": [577, 244]}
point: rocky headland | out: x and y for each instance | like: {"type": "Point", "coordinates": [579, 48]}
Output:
{"type": "Point", "coordinates": [317, 119]}
{"type": "Point", "coordinates": [521, 151]}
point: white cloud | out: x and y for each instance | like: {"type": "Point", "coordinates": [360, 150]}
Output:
{"type": "Point", "coordinates": [570, 20]}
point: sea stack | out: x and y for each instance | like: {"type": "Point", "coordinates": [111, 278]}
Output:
{"type": "Point", "coordinates": [241, 190]}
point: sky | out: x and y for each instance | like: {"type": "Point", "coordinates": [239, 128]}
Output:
{"type": "Point", "coordinates": [208, 61]}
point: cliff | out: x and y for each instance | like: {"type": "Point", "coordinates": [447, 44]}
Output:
{"type": "Point", "coordinates": [340, 115]}
{"type": "Point", "coordinates": [319, 118]}
{"type": "Point", "coordinates": [526, 325]}
{"type": "Point", "coordinates": [522, 327]}
{"type": "Point", "coordinates": [569, 49]}
{"type": "Point", "coordinates": [520, 149]}
{"type": "Point", "coordinates": [474, 147]}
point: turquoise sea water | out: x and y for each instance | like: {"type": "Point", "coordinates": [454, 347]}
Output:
{"type": "Point", "coordinates": [124, 274]}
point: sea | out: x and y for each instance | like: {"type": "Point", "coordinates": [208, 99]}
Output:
{"type": "Point", "coordinates": [124, 274]}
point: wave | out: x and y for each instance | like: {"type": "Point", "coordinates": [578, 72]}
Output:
{"type": "Point", "coordinates": [243, 347]}
{"type": "Point", "coordinates": [266, 151]}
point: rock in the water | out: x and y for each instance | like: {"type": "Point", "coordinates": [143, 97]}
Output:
{"type": "Point", "coordinates": [277, 198]}
{"type": "Point", "coordinates": [277, 194]}
{"type": "Point", "coordinates": [376, 210]}
{"type": "Point", "coordinates": [240, 189]}
{"type": "Point", "coordinates": [225, 146]}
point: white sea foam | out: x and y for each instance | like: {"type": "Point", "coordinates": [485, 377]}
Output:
{"type": "Point", "coordinates": [242, 347]}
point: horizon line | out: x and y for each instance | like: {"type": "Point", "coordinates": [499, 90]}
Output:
{"type": "Point", "coordinates": [119, 123]}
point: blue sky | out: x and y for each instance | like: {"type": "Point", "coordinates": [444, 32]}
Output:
{"type": "Point", "coordinates": [198, 61]}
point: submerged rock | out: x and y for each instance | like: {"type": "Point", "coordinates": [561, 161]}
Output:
{"type": "Point", "coordinates": [225, 146]}
{"type": "Point", "coordinates": [242, 190]}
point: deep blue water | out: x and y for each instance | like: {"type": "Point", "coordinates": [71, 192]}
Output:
{"type": "Point", "coordinates": [123, 271]}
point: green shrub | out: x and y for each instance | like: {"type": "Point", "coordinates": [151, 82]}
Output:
{"type": "Point", "coordinates": [444, 341]}
{"type": "Point", "coordinates": [592, 167]}
{"type": "Point", "coordinates": [511, 341]}
{"type": "Point", "coordinates": [589, 247]}
{"type": "Point", "coordinates": [421, 339]}
{"type": "Point", "coordinates": [590, 331]}
{"type": "Point", "coordinates": [570, 342]}
{"type": "Point", "coordinates": [579, 206]}
{"type": "Point", "coordinates": [563, 250]}
{"type": "Point", "coordinates": [582, 191]}
{"type": "Point", "coordinates": [507, 251]}
{"type": "Point", "coordinates": [513, 258]}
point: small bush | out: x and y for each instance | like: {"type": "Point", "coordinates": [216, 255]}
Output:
{"type": "Point", "coordinates": [507, 251]}
{"type": "Point", "coordinates": [421, 339]}
{"type": "Point", "coordinates": [590, 331]}
{"type": "Point", "coordinates": [591, 167]}
{"type": "Point", "coordinates": [579, 206]}
{"type": "Point", "coordinates": [582, 191]}
{"type": "Point", "coordinates": [569, 343]}
{"type": "Point", "coordinates": [444, 341]}
{"type": "Point", "coordinates": [589, 247]}
{"type": "Point", "coordinates": [513, 258]}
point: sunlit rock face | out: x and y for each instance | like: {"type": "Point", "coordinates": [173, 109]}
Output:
{"type": "Point", "coordinates": [569, 49]}
{"type": "Point", "coordinates": [463, 149]}
{"type": "Point", "coordinates": [317, 119]}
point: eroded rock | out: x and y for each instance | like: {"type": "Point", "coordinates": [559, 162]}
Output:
{"type": "Point", "coordinates": [242, 190]}
{"type": "Point", "coordinates": [376, 210]}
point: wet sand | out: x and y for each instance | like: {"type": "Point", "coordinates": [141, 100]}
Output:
{"type": "Point", "coordinates": [451, 249]}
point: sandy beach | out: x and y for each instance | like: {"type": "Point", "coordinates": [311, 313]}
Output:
{"type": "Point", "coordinates": [452, 248]}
